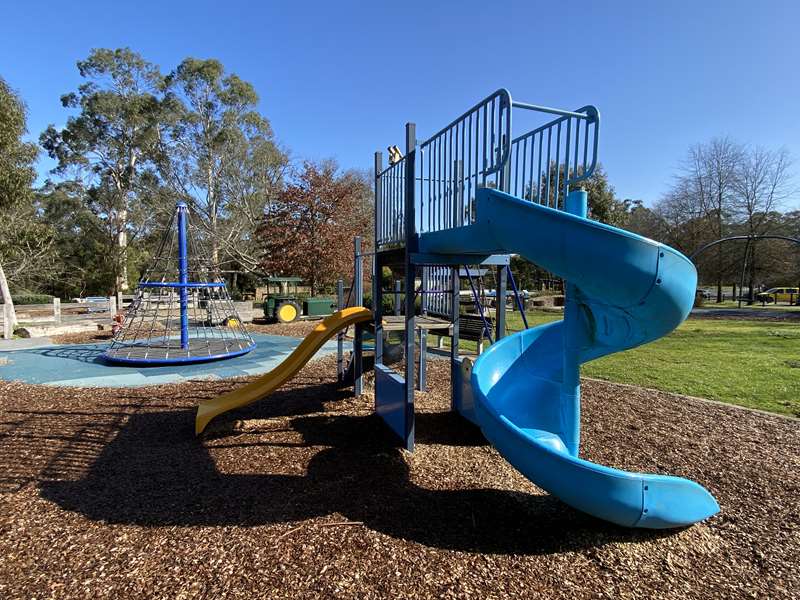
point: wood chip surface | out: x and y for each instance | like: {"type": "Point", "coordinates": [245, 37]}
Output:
{"type": "Point", "coordinates": [106, 493]}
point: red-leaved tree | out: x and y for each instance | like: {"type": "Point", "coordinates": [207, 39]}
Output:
{"type": "Point", "coordinates": [308, 229]}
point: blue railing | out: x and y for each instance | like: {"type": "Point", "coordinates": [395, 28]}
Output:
{"type": "Point", "coordinates": [477, 150]}
{"type": "Point", "coordinates": [466, 154]}
{"type": "Point", "coordinates": [546, 161]}
{"type": "Point", "coordinates": [390, 192]}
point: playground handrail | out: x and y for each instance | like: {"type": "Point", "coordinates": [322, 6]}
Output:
{"type": "Point", "coordinates": [459, 158]}
{"type": "Point", "coordinates": [477, 150]}
{"type": "Point", "coordinates": [390, 204]}
{"type": "Point", "coordinates": [574, 159]}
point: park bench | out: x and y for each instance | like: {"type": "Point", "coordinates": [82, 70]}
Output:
{"type": "Point", "coordinates": [470, 327]}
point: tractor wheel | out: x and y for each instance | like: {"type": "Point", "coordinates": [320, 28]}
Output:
{"type": "Point", "coordinates": [287, 311]}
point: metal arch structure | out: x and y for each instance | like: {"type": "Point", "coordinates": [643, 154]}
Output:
{"type": "Point", "coordinates": [748, 239]}
{"type": "Point", "coordinates": [737, 238]}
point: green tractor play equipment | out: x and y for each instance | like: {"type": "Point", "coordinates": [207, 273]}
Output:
{"type": "Point", "coordinates": [282, 301]}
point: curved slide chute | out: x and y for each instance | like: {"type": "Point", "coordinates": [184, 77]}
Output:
{"type": "Point", "coordinates": [623, 291]}
{"type": "Point", "coordinates": [269, 382]}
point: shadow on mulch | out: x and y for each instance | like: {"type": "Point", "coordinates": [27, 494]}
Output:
{"type": "Point", "coordinates": [155, 473]}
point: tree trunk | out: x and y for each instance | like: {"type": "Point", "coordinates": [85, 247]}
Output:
{"type": "Point", "coordinates": [752, 274]}
{"type": "Point", "coordinates": [212, 213]}
{"type": "Point", "coordinates": [121, 283]}
{"type": "Point", "coordinates": [719, 271]}
{"type": "Point", "coordinates": [5, 293]}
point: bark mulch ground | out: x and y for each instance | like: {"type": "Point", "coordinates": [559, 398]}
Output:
{"type": "Point", "coordinates": [107, 494]}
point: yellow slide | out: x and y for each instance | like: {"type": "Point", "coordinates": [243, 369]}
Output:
{"type": "Point", "coordinates": [269, 382]}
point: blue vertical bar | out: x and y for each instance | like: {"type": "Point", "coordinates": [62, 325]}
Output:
{"type": "Point", "coordinates": [183, 273]}
{"type": "Point", "coordinates": [500, 303]}
{"type": "Point", "coordinates": [410, 283]}
{"type": "Point", "coordinates": [340, 335]}
{"type": "Point", "coordinates": [519, 301]}
{"type": "Point", "coordinates": [576, 204]}
{"type": "Point", "coordinates": [358, 338]}
{"type": "Point", "coordinates": [377, 267]}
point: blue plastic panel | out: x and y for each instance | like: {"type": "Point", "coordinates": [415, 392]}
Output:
{"type": "Point", "coordinates": [390, 394]}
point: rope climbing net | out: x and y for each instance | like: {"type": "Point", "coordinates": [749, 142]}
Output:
{"type": "Point", "coordinates": [182, 311]}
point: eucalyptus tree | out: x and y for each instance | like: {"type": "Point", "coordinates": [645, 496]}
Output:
{"type": "Point", "coordinates": [111, 144]}
{"type": "Point", "coordinates": [220, 156]}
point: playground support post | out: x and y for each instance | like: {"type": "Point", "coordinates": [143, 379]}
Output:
{"type": "Point", "coordinates": [577, 204]}
{"type": "Point", "coordinates": [517, 298]}
{"type": "Point", "coordinates": [340, 335]}
{"type": "Point", "coordinates": [377, 289]}
{"type": "Point", "coordinates": [183, 274]}
{"type": "Point", "coordinates": [397, 288]}
{"type": "Point", "coordinates": [423, 334]}
{"type": "Point", "coordinates": [410, 281]}
{"type": "Point", "coordinates": [500, 303]}
{"type": "Point", "coordinates": [358, 299]}
{"type": "Point", "coordinates": [455, 310]}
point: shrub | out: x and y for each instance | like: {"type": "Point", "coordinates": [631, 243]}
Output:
{"type": "Point", "coordinates": [29, 298]}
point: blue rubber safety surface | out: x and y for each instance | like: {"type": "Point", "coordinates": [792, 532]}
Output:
{"type": "Point", "coordinates": [80, 365]}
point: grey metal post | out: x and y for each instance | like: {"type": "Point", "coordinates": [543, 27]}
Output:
{"type": "Point", "coordinates": [410, 280]}
{"type": "Point", "coordinates": [377, 275]}
{"type": "Point", "coordinates": [57, 310]}
{"type": "Point", "coordinates": [455, 309]}
{"type": "Point", "coordinates": [358, 300]}
{"type": "Point", "coordinates": [397, 287]}
{"type": "Point", "coordinates": [340, 336]}
{"type": "Point", "coordinates": [423, 333]}
{"type": "Point", "coordinates": [500, 302]}
{"type": "Point", "coordinates": [112, 305]}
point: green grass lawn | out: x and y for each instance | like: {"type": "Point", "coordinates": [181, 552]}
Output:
{"type": "Point", "coordinates": [751, 363]}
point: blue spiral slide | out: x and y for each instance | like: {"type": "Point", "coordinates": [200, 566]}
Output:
{"type": "Point", "coordinates": [623, 291]}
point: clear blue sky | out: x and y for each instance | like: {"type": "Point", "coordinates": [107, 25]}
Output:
{"type": "Point", "coordinates": [340, 78]}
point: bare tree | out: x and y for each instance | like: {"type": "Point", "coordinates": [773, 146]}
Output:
{"type": "Point", "coordinates": [709, 176]}
{"type": "Point", "coordinates": [763, 182]}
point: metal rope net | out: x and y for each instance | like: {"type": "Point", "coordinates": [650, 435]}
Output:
{"type": "Point", "coordinates": [181, 311]}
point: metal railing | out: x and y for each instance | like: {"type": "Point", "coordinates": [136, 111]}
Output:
{"type": "Point", "coordinates": [477, 150]}
{"type": "Point", "coordinates": [546, 161]}
{"type": "Point", "coordinates": [467, 154]}
{"type": "Point", "coordinates": [390, 192]}
{"type": "Point", "coordinates": [439, 298]}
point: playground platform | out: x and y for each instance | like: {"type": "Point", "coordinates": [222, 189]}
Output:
{"type": "Point", "coordinates": [81, 365]}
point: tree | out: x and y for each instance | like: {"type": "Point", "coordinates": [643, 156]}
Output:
{"type": "Point", "coordinates": [113, 141]}
{"type": "Point", "coordinates": [762, 184]}
{"type": "Point", "coordinates": [220, 156]}
{"type": "Point", "coordinates": [80, 241]}
{"type": "Point", "coordinates": [17, 173]}
{"type": "Point", "coordinates": [604, 205]}
{"type": "Point", "coordinates": [309, 228]}
{"type": "Point", "coordinates": [706, 184]}
{"type": "Point", "coordinates": [645, 221]}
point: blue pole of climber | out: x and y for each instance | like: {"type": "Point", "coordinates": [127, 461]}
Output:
{"type": "Point", "coordinates": [183, 273]}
